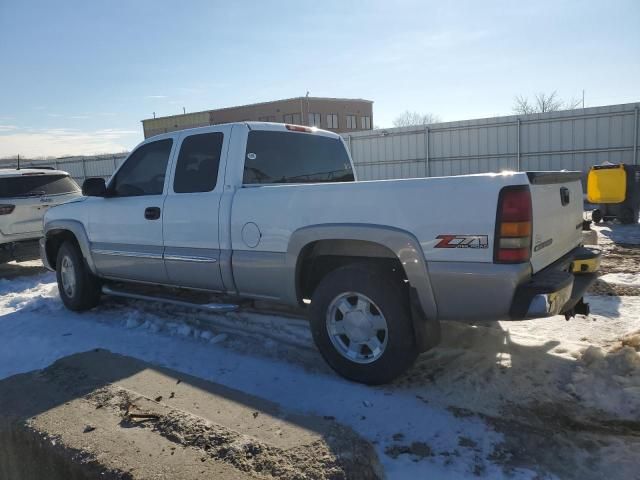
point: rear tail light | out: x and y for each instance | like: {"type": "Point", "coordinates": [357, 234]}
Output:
{"type": "Point", "coordinates": [6, 209]}
{"type": "Point", "coordinates": [513, 226]}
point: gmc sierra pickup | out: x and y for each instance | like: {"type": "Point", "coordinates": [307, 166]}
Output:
{"type": "Point", "coordinates": [272, 211]}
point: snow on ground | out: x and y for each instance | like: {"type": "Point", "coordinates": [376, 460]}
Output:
{"type": "Point", "coordinates": [627, 279]}
{"type": "Point", "coordinates": [36, 330]}
{"type": "Point", "coordinates": [456, 399]}
{"type": "Point", "coordinates": [492, 367]}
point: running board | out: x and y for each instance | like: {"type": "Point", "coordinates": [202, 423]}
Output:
{"type": "Point", "coordinates": [209, 307]}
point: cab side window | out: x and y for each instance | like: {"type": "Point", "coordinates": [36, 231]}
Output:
{"type": "Point", "coordinates": [198, 162]}
{"type": "Point", "coordinates": [290, 157]}
{"type": "Point", "coordinates": [144, 171]}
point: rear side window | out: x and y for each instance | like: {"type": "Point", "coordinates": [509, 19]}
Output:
{"type": "Point", "coordinates": [36, 185]}
{"type": "Point", "coordinates": [283, 157]}
{"type": "Point", "coordinates": [198, 162]}
{"type": "Point", "coordinates": [144, 171]}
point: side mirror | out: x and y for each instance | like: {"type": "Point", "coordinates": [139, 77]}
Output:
{"type": "Point", "coordinates": [94, 187]}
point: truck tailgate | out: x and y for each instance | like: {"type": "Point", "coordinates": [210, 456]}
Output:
{"type": "Point", "coordinates": [557, 215]}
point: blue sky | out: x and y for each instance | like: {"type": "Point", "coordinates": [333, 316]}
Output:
{"type": "Point", "coordinates": [77, 77]}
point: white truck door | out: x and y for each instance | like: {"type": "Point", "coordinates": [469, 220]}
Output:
{"type": "Point", "coordinates": [125, 228]}
{"type": "Point", "coordinates": [191, 231]}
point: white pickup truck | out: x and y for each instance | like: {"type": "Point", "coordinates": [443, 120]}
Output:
{"type": "Point", "coordinates": [275, 212]}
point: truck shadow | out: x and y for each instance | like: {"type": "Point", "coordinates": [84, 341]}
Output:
{"type": "Point", "coordinates": [493, 366]}
{"type": "Point", "coordinates": [544, 394]}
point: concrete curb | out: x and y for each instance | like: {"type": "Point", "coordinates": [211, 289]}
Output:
{"type": "Point", "coordinates": [102, 415]}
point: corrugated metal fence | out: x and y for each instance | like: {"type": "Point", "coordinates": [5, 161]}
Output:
{"type": "Point", "coordinates": [571, 140]}
{"type": "Point", "coordinates": [79, 168]}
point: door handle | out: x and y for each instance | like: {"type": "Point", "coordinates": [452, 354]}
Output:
{"type": "Point", "coordinates": [152, 213]}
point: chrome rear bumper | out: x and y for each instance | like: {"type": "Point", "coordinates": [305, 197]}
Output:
{"type": "Point", "coordinates": [559, 288]}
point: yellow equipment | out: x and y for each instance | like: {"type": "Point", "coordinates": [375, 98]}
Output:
{"type": "Point", "coordinates": [607, 184]}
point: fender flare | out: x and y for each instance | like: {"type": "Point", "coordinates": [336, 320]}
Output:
{"type": "Point", "coordinates": [78, 230]}
{"type": "Point", "coordinates": [401, 243]}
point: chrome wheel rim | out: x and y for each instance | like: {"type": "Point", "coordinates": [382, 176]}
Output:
{"type": "Point", "coordinates": [357, 328]}
{"type": "Point", "coordinates": [68, 276]}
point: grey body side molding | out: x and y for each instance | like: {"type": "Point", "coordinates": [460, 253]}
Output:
{"type": "Point", "coordinates": [78, 231]}
{"type": "Point", "coordinates": [401, 243]}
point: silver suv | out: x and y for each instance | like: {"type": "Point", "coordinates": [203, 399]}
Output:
{"type": "Point", "coordinates": [25, 195]}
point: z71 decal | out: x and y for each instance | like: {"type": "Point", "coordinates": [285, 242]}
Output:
{"type": "Point", "coordinates": [462, 241]}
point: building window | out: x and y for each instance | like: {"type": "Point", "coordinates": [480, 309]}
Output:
{"type": "Point", "coordinates": [365, 123]}
{"type": "Point", "coordinates": [268, 118]}
{"type": "Point", "coordinates": [314, 119]}
{"type": "Point", "coordinates": [332, 120]}
{"type": "Point", "coordinates": [293, 118]}
{"type": "Point", "coordinates": [351, 121]}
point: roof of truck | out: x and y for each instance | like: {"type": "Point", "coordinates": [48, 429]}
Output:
{"type": "Point", "coordinates": [251, 125]}
{"type": "Point", "coordinates": [14, 172]}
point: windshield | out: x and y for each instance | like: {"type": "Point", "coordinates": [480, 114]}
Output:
{"type": "Point", "coordinates": [37, 185]}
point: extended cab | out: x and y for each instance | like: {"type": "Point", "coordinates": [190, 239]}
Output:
{"type": "Point", "coordinates": [275, 212]}
{"type": "Point", "coordinates": [25, 195]}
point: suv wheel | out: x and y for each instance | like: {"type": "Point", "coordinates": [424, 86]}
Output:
{"type": "Point", "coordinates": [361, 323]}
{"type": "Point", "coordinates": [79, 289]}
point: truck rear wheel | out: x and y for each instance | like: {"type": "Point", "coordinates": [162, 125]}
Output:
{"type": "Point", "coordinates": [361, 323]}
{"type": "Point", "coordinates": [79, 289]}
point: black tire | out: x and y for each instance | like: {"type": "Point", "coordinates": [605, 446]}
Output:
{"type": "Point", "coordinates": [385, 290]}
{"type": "Point", "coordinates": [596, 215]}
{"type": "Point", "coordinates": [87, 288]}
{"type": "Point", "coordinates": [628, 216]}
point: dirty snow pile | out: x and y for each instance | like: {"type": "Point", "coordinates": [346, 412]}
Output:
{"type": "Point", "coordinates": [610, 380]}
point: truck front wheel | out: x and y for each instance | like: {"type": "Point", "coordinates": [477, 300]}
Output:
{"type": "Point", "coordinates": [79, 289]}
{"type": "Point", "coordinates": [361, 323]}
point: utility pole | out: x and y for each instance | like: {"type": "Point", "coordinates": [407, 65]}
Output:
{"type": "Point", "coordinates": [18, 161]}
{"type": "Point", "coordinates": [583, 98]}
{"type": "Point", "coordinates": [184, 110]}
{"type": "Point", "coordinates": [302, 122]}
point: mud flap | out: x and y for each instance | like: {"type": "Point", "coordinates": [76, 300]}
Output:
{"type": "Point", "coordinates": [427, 331]}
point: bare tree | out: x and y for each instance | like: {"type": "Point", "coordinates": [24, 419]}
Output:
{"type": "Point", "coordinates": [407, 119]}
{"type": "Point", "coordinates": [543, 103]}
{"type": "Point", "coordinates": [572, 103]}
{"type": "Point", "coordinates": [548, 102]}
{"type": "Point", "coordinates": [522, 105]}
